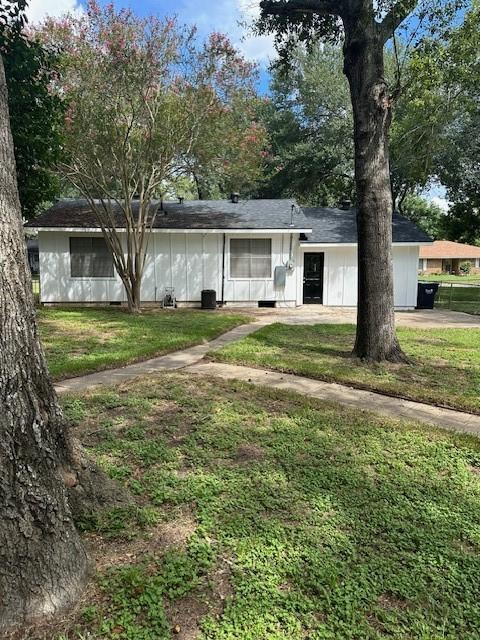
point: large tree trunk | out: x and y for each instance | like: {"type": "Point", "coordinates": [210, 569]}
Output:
{"type": "Point", "coordinates": [364, 68]}
{"type": "Point", "coordinates": [43, 565]}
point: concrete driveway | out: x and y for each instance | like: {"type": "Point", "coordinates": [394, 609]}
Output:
{"type": "Point", "coordinates": [318, 314]}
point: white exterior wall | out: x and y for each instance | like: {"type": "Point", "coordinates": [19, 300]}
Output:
{"type": "Point", "coordinates": [56, 285]}
{"type": "Point", "coordinates": [189, 262]}
{"type": "Point", "coordinates": [254, 289]}
{"type": "Point", "coordinates": [340, 275]}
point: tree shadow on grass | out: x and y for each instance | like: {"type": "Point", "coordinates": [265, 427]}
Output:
{"type": "Point", "coordinates": [333, 523]}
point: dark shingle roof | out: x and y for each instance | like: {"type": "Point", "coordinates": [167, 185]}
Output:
{"type": "Point", "coordinates": [194, 214]}
{"type": "Point", "coordinates": [328, 225]}
{"type": "Point", "coordinates": [339, 226]}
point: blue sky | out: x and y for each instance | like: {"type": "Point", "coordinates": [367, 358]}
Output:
{"type": "Point", "coordinates": [208, 15]}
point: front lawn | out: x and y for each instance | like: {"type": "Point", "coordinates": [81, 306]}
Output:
{"type": "Point", "coordinates": [473, 278]}
{"type": "Point", "coordinates": [79, 341]}
{"type": "Point", "coordinates": [445, 365]}
{"type": "Point", "coordinates": [262, 515]}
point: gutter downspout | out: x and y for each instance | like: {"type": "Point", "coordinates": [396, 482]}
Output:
{"type": "Point", "coordinates": [223, 269]}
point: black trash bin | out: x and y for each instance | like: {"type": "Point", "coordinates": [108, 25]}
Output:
{"type": "Point", "coordinates": [209, 299]}
{"type": "Point", "coordinates": [426, 293]}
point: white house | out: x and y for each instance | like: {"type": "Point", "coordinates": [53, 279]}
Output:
{"type": "Point", "coordinates": [249, 251]}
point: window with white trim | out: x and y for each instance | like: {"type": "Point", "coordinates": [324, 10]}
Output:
{"type": "Point", "coordinates": [250, 258]}
{"type": "Point", "coordinates": [90, 258]}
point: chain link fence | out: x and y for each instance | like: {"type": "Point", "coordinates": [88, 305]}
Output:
{"type": "Point", "coordinates": [458, 297]}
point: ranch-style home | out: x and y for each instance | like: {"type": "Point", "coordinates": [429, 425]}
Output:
{"type": "Point", "coordinates": [251, 252]}
{"type": "Point", "coordinates": [444, 256]}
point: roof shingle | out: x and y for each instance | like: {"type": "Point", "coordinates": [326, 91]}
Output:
{"type": "Point", "coordinates": [328, 225]}
{"type": "Point", "coordinates": [192, 214]}
{"type": "Point", "coordinates": [339, 226]}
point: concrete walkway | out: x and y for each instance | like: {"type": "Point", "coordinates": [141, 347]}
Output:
{"type": "Point", "coordinates": [337, 393]}
{"type": "Point", "coordinates": [190, 360]}
{"type": "Point", "coordinates": [170, 361]}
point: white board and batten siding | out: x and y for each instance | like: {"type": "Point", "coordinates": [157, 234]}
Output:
{"type": "Point", "coordinates": [340, 274]}
{"type": "Point", "coordinates": [56, 284]}
{"type": "Point", "coordinates": [189, 262]}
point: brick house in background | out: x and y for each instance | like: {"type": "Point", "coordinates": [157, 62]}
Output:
{"type": "Point", "coordinates": [444, 256]}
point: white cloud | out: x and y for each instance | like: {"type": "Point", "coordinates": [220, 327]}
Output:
{"type": "Point", "coordinates": [228, 17]}
{"type": "Point", "coordinates": [258, 48]}
{"type": "Point", "coordinates": [442, 203]}
{"type": "Point", "coordinates": [437, 193]}
{"type": "Point", "coordinates": [38, 10]}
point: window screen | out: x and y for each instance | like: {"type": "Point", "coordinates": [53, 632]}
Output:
{"type": "Point", "coordinates": [251, 258]}
{"type": "Point", "coordinates": [90, 258]}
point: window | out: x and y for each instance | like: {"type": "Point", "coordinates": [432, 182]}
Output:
{"type": "Point", "coordinates": [251, 258]}
{"type": "Point", "coordinates": [90, 258]}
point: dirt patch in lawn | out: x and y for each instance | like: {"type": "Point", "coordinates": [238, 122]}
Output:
{"type": "Point", "coordinates": [391, 601]}
{"type": "Point", "coordinates": [248, 452]}
{"type": "Point", "coordinates": [174, 533]}
{"type": "Point", "coordinates": [186, 614]}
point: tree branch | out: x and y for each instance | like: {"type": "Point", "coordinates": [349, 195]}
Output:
{"type": "Point", "coordinates": [394, 18]}
{"type": "Point", "coordinates": [292, 7]}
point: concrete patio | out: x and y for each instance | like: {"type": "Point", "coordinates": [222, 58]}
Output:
{"type": "Point", "coordinates": [318, 314]}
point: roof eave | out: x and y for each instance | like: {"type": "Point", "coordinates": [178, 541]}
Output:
{"type": "Point", "coordinates": [231, 230]}
{"type": "Point", "coordinates": [403, 243]}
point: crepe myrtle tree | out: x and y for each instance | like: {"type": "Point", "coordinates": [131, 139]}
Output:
{"type": "Point", "coordinates": [228, 152]}
{"type": "Point", "coordinates": [129, 85]}
{"type": "Point", "coordinates": [366, 26]}
{"type": "Point", "coordinates": [43, 565]}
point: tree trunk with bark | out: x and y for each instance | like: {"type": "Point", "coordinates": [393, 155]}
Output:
{"type": "Point", "coordinates": [365, 38]}
{"type": "Point", "coordinates": [364, 67]}
{"type": "Point", "coordinates": [43, 565]}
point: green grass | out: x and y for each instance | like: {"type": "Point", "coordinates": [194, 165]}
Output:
{"type": "Point", "coordinates": [445, 365]}
{"type": "Point", "coordinates": [79, 341]}
{"type": "Point", "coordinates": [473, 278]}
{"type": "Point", "coordinates": [306, 520]}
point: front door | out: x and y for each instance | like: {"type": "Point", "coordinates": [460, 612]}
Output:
{"type": "Point", "coordinates": [313, 278]}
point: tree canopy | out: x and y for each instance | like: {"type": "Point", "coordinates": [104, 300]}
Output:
{"type": "Point", "coordinates": [309, 124]}
{"type": "Point", "coordinates": [36, 115]}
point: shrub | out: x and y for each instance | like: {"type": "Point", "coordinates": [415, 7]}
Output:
{"type": "Point", "coordinates": [465, 268]}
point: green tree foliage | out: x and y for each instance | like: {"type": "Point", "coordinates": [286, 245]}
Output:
{"type": "Point", "coordinates": [309, 123]}
{"type": "Point", "coordinates": [36, 116]}
{"type": "Point", "coordinates": [458, 163]}
{"type": "Point", "coordinates": [435, 129]}
{"type": "Point", "coordinates": [422, 112]}
{"type": "Point", "coordinates": [228, 150]}
{"type": "Point", "coordinates": [427, 215]}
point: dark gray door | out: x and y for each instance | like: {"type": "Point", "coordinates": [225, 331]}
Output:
{"type": "Point", "coordinates": [313, 278]}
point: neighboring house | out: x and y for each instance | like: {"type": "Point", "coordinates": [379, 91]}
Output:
{"type": "Point", "coordinates": [249, 252]}
{"type": "Point", "coordinates": [444, 256]}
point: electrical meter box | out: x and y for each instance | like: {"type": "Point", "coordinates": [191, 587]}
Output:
{"type": "Point", "coordinates": [280, 277]}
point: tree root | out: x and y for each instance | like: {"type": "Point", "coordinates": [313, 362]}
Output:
{"type": "Point", "coordinates": [89, 489]}
{"type": "Point", "coordinates": [395, 354]}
